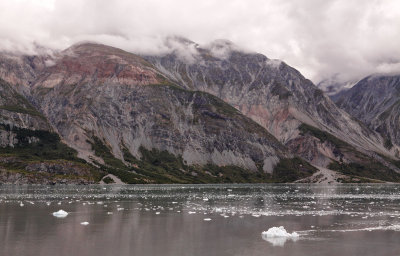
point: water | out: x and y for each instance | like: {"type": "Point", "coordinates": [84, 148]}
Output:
{"type": "Point", "coordinates": [200, 220]}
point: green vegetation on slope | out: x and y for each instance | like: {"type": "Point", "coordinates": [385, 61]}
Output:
{"type": "Point", "coordinates": [39, 146]}
{"type": "Point", "coordinates": [372, 170]}
{"type": "Point", "coordinates": [292, 169]}
{"type": "Point", "coordinates": [323, 136]}
{"type": "Point", "coordinates": [157, 166]}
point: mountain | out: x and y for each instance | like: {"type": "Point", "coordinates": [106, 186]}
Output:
{"type": "Point", "coordinates": [277, 97]}
{"type": "Point", "coordinates": [119, 112]}
{"type": "Point", "coordinates": [196, 114]}
{"type": "Point", "coordinates": [375, 100]}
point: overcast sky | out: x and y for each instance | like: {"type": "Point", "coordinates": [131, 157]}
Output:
{"type": "Point", "coordinates": [321, 38]}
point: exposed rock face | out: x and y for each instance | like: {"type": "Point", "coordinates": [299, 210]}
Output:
{"type": "Point", "coordinates": [375, 100]}
{"type": "Point", "coordinates": [99, 91]}
{"type": "Point", "coordinates": [18, 69]}
{"type": "Point", "coordinates": [30, 152]}
{"type": "Point", "coordinates": [92, 63]}
{"type": "Point", "coordinates": [16, 111]}
{"type": "Point", "coordinates": [271, 93]}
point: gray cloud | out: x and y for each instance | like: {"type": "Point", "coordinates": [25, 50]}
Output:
{"type": "Point", "coordinates": [320, 38]}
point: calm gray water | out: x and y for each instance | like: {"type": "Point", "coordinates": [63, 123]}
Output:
{"type": "Point", "coordinates": [200, 220]}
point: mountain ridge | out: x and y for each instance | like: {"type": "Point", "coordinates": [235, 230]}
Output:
{"type": "Point", "coordinates": [113, 106]}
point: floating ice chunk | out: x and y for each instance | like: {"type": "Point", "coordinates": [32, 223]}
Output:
{"type": "Point", "coordinates": [277, 236]}
{"type": "Point", "coordinates": [279, 232]}
{"type": "Point", "coordinates": [85, 223]}
{"type": "Point", "coordinates": [109, 213]}
{"type": "Point", "coordinates": [120, 209]}
{"type": "Point", "coordinates": [60, 214]}
{"type": "Point", "coordinates": [191, 212]}
{"type": "Point", "coordinates": [21, 204]}
{"type": "Point", "coordinates": [157, 213]}
{"type": "Point", "coordinates": [207, 219]}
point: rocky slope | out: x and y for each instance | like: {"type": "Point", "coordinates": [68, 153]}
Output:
{"type": "Point", "coordinates": [375, 100]}
{"type": "Point", "coordinates": [30, 152]}
{"type": "Point", "coordinates": [271, 93]}
{"type": "Point", "coordinates": [197, 114]}
{"type": "Point", "coordinates": [113, 106]}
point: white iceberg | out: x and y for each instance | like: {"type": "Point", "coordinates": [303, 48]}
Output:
{"type": "Point", "coordinates": [85, 223]}
{"type": "Point", "coordinates": [278, 236]}
{"type": "Point", "coordinates": [60, 214]}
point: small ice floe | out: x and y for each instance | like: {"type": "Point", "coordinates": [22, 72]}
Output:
{"type": "Point", "coordinates": [120, 209]}
{"type": "Point", "coordinates": [157, 213]}
{"type": "Point", "coordinates": [207, 219]}
{"type": "Point", "coordinates": [109, 213]}
{"type": "Point", "coordinates": [60, 214]}
{"type": "Point", "coordinates": [85, 223]}
{"type": "Point", "coordinates": [278, 236]}
{"type": "Point", "coordinates": [21, 204]}
{"type": "Point", "coordinates": [191, 212]}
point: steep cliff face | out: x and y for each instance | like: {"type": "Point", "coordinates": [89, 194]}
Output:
{"type": "Point", "coordinates": [268, 91]}
{"type": "Point", "coordinates": [30, 152]}
{"type": "Point", "coordinates": [17, 112]}
{"type": "Point", "coordinates": [375, 100]}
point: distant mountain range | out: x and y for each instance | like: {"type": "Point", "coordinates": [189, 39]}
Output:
{"type": "Point", "coordinates": [197, 114]}
{"type": "Point", "coordinates": [375, 100]}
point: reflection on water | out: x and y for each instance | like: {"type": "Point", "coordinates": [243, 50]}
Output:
{"type": "Point", "coordinates": [170, 220]}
